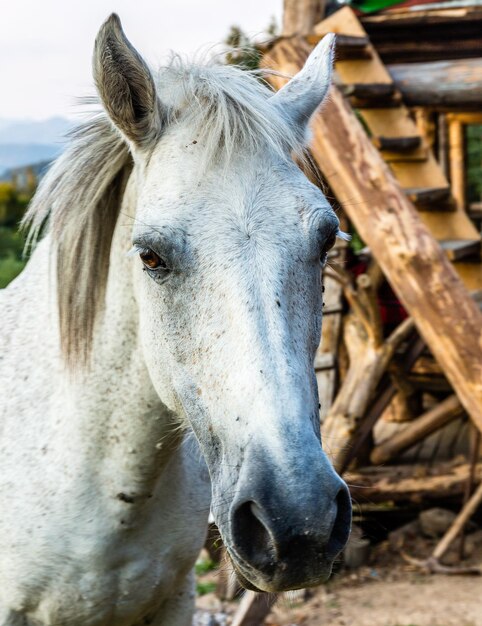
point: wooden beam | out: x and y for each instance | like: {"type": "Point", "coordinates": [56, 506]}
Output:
{"type": "Point", "coordinates": [413, 262]}
{"type": "Point", "coordinates": [442, 84]}
{"type": "Point", "coordinates": [432, 35]}
{"type": "Point", "coordinates": [428, 423]}
{"type": "Point", "coordinates": [409, 483]}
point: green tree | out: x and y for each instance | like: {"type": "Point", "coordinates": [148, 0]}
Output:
{"type": "Point", "coordinates": [13, 204]}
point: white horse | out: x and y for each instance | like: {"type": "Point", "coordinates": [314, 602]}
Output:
{"type": "Point", "coordinates": [134, 384]}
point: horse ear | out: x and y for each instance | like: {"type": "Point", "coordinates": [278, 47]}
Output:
{"type": "Point", "coordinates": [125, 85]}
{"type": "Point", "coordinates": [304, 93]}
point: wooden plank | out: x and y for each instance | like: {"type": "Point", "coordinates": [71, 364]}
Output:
{"type": "Point", "coordinates": [367, 91]}
{"type": "Point", "coordinates": [352, 48]}
{"type": "Point", "coordinates": [428, 195]}
{"type": "Point", "coordinates": [384, 118]}
{"type": "Point", "coordinates": [420, 175]}
{"type": "Point", "coordinates": [412, 261]}
{"type": "Point", "coordinates": [397, 144]}
{"type": "Point", "coordinates": [396, 122]}
{"type": "Point", "coordinates": [457, 249]}
{"type": "Point", "coordinates": [348, 47]}
{"type": "Point", "coordinates": [449, 225]}
{"type": "Point", "coordinates": [393, 123]}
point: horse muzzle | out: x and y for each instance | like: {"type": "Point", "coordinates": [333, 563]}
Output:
{"type": "Point", "coordinates": [285, 534]}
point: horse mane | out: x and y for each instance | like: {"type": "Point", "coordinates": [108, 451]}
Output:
{"type": "Point", "coordinates": [79, 199]}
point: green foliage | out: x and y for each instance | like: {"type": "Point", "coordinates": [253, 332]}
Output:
{"type": "Point", "coordinates": [474, 162]}
{"type": "Point", "coordinates": [356, 243]}
{"type": "Point", "coordinates": [203, 566]}
{"type": "Point", "coordinates": [242, 50]}
{"type": "Point", "coordinates": [202, 588]}
{"type": "Point", "coordinates": [12, 207]}
{"type": "Point", "coordinates": [12, 204]}
{"type": "Point", "coordinates": [11, 254]}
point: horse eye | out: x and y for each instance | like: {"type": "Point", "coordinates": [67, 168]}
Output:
{"type": "Point", "coordinates": [152, 260]}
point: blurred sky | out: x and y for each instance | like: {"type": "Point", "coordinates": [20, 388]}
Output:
{"type": "Point", "coordinates": [46, 46]}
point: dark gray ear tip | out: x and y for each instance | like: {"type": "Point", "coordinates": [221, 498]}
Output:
{"type": "Point", "coordinates": [112, 25]}
{"type": "Point", "coordinates": [114, 20]}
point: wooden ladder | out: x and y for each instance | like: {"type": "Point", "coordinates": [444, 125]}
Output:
{"type": "Point", "coordinates": [365, 81]}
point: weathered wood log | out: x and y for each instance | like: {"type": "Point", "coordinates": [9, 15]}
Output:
{"type": "Point", "coordinates": [413, 262]}
{"type": "Point", "coordinates": [369, 357]}
{"type": "Point", "coordinates": [409, 483]}
{"type": "Point", "coordinates": [426, 35]}
{"type": "Point", "coordinates": [397, 144]}
{"type": "Point", "coordinates": [385, 393]}
{"type": "Point", "coordinates": [254, 607]}
{"type": "Point", "coordinates": [326, 355]}
{"type": "Point", "coordinates": [428, 423]}
{"type": "Point", "coordinates": [367, 91]}
{"type": "Point", "coordinates": [406, 404]}
{"type": "Point", "coordinates": [445, 84]}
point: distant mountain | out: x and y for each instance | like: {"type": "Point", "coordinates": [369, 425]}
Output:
{"type": "Point", "coordinates": [26, 142]}
{"type": "Point", "coordinates": [17, 155]}
{"type": "Point", "coordinates": [49, 131]}
{"type": "Point", "coordinates": [21, 173]}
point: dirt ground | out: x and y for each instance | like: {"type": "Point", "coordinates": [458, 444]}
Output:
{"type": "Point", "coordinates": [416, 601]}
{"type": "Point", "coordinates": [413, 600]}
{"type": "Point", "coordinates": [386, 592]}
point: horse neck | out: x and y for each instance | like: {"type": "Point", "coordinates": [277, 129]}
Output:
{"type": "Point", "coordinates": [119, 420]}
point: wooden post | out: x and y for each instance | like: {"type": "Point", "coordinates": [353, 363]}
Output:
{"type": "Point", "coordinates": [254, 607]}
{"type": "Point", "coordinates": [413, 262]}
{"type": "Point", "coordinates": [442, 143]}
{"type": "Point", "coordinates": [299, 16]}
{"type": "Point", "coordinates": [462, 518]}
{"type": "Point", "coordinates": [456, 156]}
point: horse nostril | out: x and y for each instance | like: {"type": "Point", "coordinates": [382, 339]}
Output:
{"type": "Point", "coordinates": [251, 537]}
{"type": "Point", "coordinates": [342, 524]}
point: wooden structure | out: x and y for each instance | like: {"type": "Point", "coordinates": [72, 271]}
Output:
{"type": "Point", "coordinates": [410, 209]}
{"type": "Point", "coordinates": [438, 34]}
{"type": "Point", "coordinates": [453, 85]}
